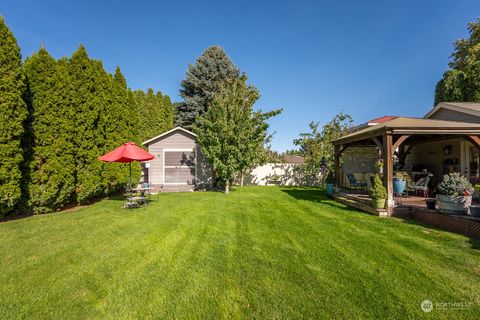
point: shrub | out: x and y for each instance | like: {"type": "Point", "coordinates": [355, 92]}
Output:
{"type": "Point", "coordinates": [477, 187]}
{"type": "Point", "coordinates": [453, 184]}
{"type": "Point", "coordinates": [378, 191]}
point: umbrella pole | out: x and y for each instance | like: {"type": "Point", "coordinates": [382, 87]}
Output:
{"type": "Point", "coordinates": [131, 176]}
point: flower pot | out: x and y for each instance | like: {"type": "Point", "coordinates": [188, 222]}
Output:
{"type": "Point", "coordinates": [378, 203]}
{"type": "Point", "coordinates": [454, 205]}
{"type": "Point", "coordinates": [475, 211]}
{"type": "Point", "coordinates": [430, 202]}
{"type": "Point", "coordinates": [398, 186]}
{"type": "Point", "coordinates": [330, 188]}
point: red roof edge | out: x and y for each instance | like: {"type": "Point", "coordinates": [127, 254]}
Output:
{"type": "Point", "coordinates": [381, 120]}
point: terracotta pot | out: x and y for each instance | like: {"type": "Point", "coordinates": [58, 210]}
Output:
{"type": "Point", "coordinates": [454, 205]}
{"type": "Point", "coordinates": [378, 203]}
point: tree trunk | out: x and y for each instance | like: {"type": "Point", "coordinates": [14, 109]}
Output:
{"type": "Point", "coordinates": [227, 190]}
{"type": "Point", "coordinates": [241, 179]}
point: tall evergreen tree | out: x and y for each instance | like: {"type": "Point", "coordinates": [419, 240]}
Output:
{"type": "Point", "coordinates": [156, 113]}
{"type": "Point", "coordinates": [461, 82]}
{"type": "Point", "coordinates": [89, 140]}
{"type": "Point", "coordinates": [202, 82]}
{"type": "Point", "coordinates": [52, 181]}
{"type": "Point", "coordinates": [13, 114]}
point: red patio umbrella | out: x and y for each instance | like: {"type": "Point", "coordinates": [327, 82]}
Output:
{"type": "Point", "coordinates": [127, 153]}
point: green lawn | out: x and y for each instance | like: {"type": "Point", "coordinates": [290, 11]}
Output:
{"type": "Point", "coordinates": [260, 252]}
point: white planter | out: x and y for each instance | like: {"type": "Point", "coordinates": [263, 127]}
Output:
{"type": "Point", "coordinates": [454, 205]}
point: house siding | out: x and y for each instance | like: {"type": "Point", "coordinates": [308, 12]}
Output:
{"type": "Point", "coordinates": [452, 115]}
{"type": "Point", "coordinates": [176, 140]}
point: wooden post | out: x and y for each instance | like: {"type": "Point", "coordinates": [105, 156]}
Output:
{"type": "Point", "coordinates": [388, 166]}
{"type": "Point", "coordinates": [337, 167]}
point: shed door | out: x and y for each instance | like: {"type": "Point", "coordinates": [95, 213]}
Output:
{"type": "Point", "coordinates": [179, 167]}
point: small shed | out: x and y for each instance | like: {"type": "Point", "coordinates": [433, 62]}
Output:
{"type": "Point", "coordinates": [179, 163]}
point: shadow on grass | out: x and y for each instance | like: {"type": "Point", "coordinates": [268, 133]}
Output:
{"type": "Point", "coordinates": [474, 243]}
{"type": "Point", "coordinates": [318, 196]}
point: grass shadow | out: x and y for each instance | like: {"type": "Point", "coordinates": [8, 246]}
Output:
{"type": "Point", "coordinates": [474, 243]}
{"type": "Point", "coordinates": [318, 196]}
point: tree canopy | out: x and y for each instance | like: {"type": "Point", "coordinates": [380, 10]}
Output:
{"type": "Point", "coordinates": [203, 80]}
{"type": "Point", "coordinates": [232, 134]}
{"type": "Point", "coordinates": [462, 81]}
{"type": "Point", "coordinates": [315, 145]}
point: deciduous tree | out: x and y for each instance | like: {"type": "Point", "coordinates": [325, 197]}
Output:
{"type": "Point", "coordinates": [461, 82]}
{"type": "Point", "coordinates": [231, 134]}
{"type": "Point", "coordinates": [315, 145]}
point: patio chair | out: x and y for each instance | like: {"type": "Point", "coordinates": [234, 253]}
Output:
{"type": "Point", "coordinates": [421, 185]}
{"type": "Point", "coordinates": [354, 183]}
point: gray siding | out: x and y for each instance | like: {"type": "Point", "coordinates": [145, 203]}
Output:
{"type": "Point", "coordinates": [451, 115]}
{"type": "Point", "coordinates": [175, 140]}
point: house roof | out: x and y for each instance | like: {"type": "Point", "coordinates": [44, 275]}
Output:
{"type": "Point", "coordinates": [168, 132]}
{"type": "Point", "coordinates": [472, 108]}
{"type": "Point", "coordinates": [404, 125]}
{"type": "Point", "coordinates": [380, 120]}
{"type": "Point", "coordinates": [293, 158]}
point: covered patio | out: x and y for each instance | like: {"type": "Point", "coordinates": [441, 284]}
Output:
{"type": "Point", "coordinates": [409, 146]}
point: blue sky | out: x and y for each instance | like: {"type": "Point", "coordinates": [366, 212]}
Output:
{"type": "Point", "coordinates": [313, 58]}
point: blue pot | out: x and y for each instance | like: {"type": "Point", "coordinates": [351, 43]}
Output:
{"type": "Point", "coordinates": [330, 188]}
{"type": "Point", "coordinates": [398, 186]}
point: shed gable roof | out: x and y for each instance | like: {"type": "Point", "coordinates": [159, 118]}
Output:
{"type": "Point", "coordinates": [146, 143]}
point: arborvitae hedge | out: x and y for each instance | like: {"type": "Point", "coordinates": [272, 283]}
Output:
{"type": "Point", "coordinates": [56, 122]}
{"type": "Point", "coordinates": [13, 113]}
{"type": "Point", "coordinates": [52, 167]}
{"type": "Point", "coordinates": [156, 113]}
{"type": "Point", "coordinates": [88, 102]}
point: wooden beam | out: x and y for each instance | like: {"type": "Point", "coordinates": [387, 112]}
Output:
{"type": "Point", "coordinates": [379, 145]}
{"type": "Point", "coordinates": [475, 140]}
{"type": "Point", "coordinates": [388, 166]}
{"type": "Point", "coordinates": [399, 141]}
{"type": "Point", "coordinates": [337, 167]}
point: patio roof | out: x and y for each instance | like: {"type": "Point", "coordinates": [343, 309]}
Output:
{"type": "Point", "coordinates": [405, 125]}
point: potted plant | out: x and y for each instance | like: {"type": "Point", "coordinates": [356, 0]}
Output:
{"type": "Point", "coordinates": [330, 181]}
{"type": "Point", "coordinates": [378, 193]}
{"type": "Point", "coordinates": [475, 209]}
{"type": "Point", "coordinates": [398, 185]}
{"type": "Point", "coordinates": [454, 194]}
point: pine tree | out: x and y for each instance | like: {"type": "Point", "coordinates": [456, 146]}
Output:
{"type": "Point", "coordinates": [52, 168]}
{"type": "Point", "coordinates": [202, 82]}
{"type": "Point", "coordinates": [89, 141]}
{"type": "Point", "coordinates": [13, 114]}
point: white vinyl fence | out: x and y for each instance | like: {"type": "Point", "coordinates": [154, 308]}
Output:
{"type": "Point", "coordinates": [285, 174]}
